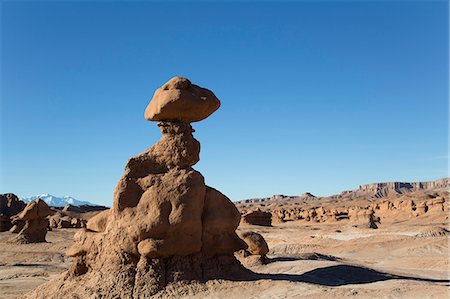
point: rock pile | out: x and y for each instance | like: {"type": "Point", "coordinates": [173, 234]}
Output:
{"type": "Point", "coordinates": [32, 222]}
{"type": "Point", "coordinates": [61, 220]}
{"type": "Point", "coordinates": [10, 205]}
{"type": "Point", "coordinates": [165, 225]}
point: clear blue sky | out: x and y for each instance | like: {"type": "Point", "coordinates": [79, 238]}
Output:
{"type": "Point", "coordinates": [316, 96]}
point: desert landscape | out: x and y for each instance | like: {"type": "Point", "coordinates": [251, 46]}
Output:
{"type": "Point", "coordinates": [406, 256]}
{"type": "Point", "coordinates": [169, 235]}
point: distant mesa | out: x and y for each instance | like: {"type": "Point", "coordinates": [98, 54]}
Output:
{"type": "Point", "coordinates": [382, 190]}
{"type": "Point", "coordinates": [375, 190]}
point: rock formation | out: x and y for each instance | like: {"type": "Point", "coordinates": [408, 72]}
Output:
{"type": "Point", "coordinates": [381, 190]}
{"type": "Point", "coordinates": [362, 218]}
{"type": "Point", "coordinates": [257, 217]}
{"type": "Point", "coordinates": [33, 222]}
{"type": "Point", "coordinates": [375, 190]}
{"type": "Point", "coordinates": [10, 205]}
{"type": "Point", "coordinates": [256, 252]}
{"type": "Point", "coordinates": [165, 224]}
{"type": "Point", "coordinates": [256, 243]}
{"type": "Point", "coordinates": [398, 207]}
{"type": "Point", "coordinates": [61, 220]}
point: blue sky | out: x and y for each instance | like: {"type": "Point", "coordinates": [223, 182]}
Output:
{"type": "Point", "coordinates": [316, 96]}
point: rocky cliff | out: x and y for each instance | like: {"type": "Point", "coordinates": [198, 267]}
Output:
{"type": "Point", "coordinates": [381, 190]}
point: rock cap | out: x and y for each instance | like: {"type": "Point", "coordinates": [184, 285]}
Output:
{"type": "Point", "coordinates": [181, 101]}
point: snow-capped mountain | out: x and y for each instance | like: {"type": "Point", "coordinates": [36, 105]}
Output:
{"type": "Point", "coordinates": [58, 201]}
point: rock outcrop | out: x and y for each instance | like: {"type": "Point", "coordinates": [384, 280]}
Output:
{"type": "Point", "coordinates": [432, 203]}
{"type": "Point", "coordinates": [60, 220]}
{"type": "Point", "coordinates": [362, 218]}
{"type": "Point", "coordinates": [10, 205]}
{"type": "Point", "coordinates": [381, 190]}
{"type": "Point", "coordinates": [257, 217]}
{"type": "Point", "coordinates": [33, 222]}
{"type": "Point", "coordinates": [165, 224]}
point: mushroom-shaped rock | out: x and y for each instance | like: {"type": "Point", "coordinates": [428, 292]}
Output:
{"type": "Point", "coordinates": [36, 224]}
{"type": "Point", "coordinates": [165, 224]}
{"type": "Point", "coordinates": [181, 101]}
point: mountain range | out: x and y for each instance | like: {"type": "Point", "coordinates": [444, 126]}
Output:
{"type": "Point", "coordinates": [56, 201]}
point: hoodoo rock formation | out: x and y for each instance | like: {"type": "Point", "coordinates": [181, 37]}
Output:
{"type": "Point", "coordinates": [165, 224]}
{"type": "Point", "coordinates": [10, 205]}
{"type": "Point", "coordinates": [33, 222]}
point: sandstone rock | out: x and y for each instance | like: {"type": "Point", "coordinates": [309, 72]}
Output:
{"type": "Point", "coordinates": [17, 226]}
{"type": "Point", "coordinates": [381, 190]}
{"type": "Point", "coordinates": [220, 220]}
{"type": "Point", "coordinates": [181, 101]}
{"type": "Point", "coordinates": [256, 243]}
{"type": "Point", "coordinates": [10, 205]}
{"type": "Point", "coordinates": [35, 222]}
{"type": "Point", "coordinates": [421, 208]}
{"type": "Point", "coordinates": [165, 224]}
{"type": "Point", "coordinates": [362, 218]}
{"type": "Point", "coordinates": [258, 217]}
{"type": "Point", "coordinates": [59, 220]}
{"type": "Point", "coordinates": [98, 222]}
{"type": "Point", "coordinates": [436, 205]}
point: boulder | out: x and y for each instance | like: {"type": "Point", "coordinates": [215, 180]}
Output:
{"type": "Point", "coordinates": [256, 245]}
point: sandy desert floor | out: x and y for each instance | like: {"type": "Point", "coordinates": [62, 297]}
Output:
{"type": "Point", "coordinates": [306, 260]}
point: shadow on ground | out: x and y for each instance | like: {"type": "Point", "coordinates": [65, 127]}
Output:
{"type": "Point", "coordinates": [314, 256]}
{"type": "Point", "coordinates": [339, 275]}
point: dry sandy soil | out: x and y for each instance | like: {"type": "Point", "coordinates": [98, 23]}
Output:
{"type": "Point", "coordinates": [314, 260]}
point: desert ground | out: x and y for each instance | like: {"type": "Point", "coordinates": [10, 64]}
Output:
{"type": "Point", "coordinates": [313, 260]}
